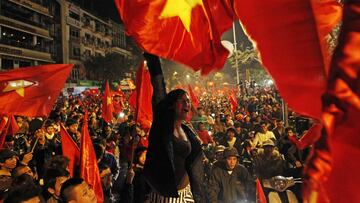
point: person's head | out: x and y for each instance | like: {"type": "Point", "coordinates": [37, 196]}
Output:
{"type": "Point", "coordinates": [289, 131]}
{"type": "Point", "coordinates": [24, 190]}
{"type": "Point", "coordinates": [140, 155]}
{"type": "Point", "coordinates": [230, 132]}
{"type": "Point", "coordinates": [201, 126]}
{"type": "Point", "coordinates": [219, 152]}
{"type": "Point", "coordinates": [53, 180]}
{"type": "Point", "coordinates": [268, 147]}
{"type": "Point", "coordinates": [18, 171]}
{"type": "Point", "coordinates": [231, 157]}
{"type": "Point", "coordinates": [72, 125]}
{"type": "Point", "coordinates": [179, 101]}
{"type": "Point", "coordinates": [9, 142]}
{"type": "Point", "coordinates": [247, 119]}
{"type": "Point", "coordinates": [49, 127]}
{"type": "Point", "coordinates": [8, 159]}
{"type": "Point", "coordinates": [237, 128]}
{"type": "Point", "coordinates": [99, 151]}
{"type": "Point", "coordinates": [200, 111]}
{"type": "Point", "coordinates": [76, 190]}
{"type": "Point", "coordinates": [59, 161]}
{"type": "Point", "coordinates": [264, 127]}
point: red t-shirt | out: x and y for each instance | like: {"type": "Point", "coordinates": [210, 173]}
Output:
{"type": "Point", "coordinates": [205, 137]}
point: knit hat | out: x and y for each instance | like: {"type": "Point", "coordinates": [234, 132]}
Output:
{"type": "Point", "coordinates": [230, 152]}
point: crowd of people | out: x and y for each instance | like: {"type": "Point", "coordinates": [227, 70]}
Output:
{"type": "Point", "coordinates": [215, 156]}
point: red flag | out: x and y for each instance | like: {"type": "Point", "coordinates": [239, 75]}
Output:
{"type": "Point", "coordinates": [260, 195]}
{"type": "Point", "coordinates": [89, 170]}
{"type": "Point", "coordinates": [8, 126]}
{"type": "Point", "coordinates": [194, 100]}
{"type": "Point", "coordinates": [69, 149]}
{"type": "Point", "coordinates": [107, 106]}
{"type": "Point", "coordinates": [144, 91]}
{"type": "Point", "coordinates": [32, 91]}
{"type": "Point", "coordinates": [183, 31]}
{"type": "Point", "coordinates": [296, 63]}
{"type": "Point", "coordinates": [233, 102]}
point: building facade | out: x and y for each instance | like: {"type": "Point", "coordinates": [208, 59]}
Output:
{"type": "Point", "coordinates": [35, 32]}
{"type": "Point", "coordinates": [85, 35]}
{"type": "Point", "coordinates": [26, 33]}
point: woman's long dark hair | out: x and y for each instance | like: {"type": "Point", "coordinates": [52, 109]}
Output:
{"type": "Point", "coordinates": [166, 111]}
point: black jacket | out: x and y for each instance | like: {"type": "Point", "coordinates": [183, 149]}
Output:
{"type": "Point", "coordinates": [229, 188]}
{"type": "Point", "coordinates": [159, 167]}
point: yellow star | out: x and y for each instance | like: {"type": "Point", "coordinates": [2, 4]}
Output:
{"type": "Point", "coordinates": [180, 8]}
{"type": "Point", "coordinates": [108, 100]}
{"type": "Point", "coordinates": [18, 86]}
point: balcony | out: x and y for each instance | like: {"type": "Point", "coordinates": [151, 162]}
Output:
{"type": "Point", "coordinates": [22, 50]}
{"type": "Point", "coordinates": [73, 22]}
{"type": "Point", "coordinates": [25, 25]}
{"type": "Point", "coordinates": [33, 6]}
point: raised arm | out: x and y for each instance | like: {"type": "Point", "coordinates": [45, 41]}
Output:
{"type": "Point", "coordinates": [157, 78]}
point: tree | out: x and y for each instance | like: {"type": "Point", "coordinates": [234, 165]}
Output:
{"type": "Point", "coordinates": [111, 67]}
{"type": "Point", "coordinates": [245, 57]}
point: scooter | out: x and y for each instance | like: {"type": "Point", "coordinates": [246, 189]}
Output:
{"type": "Point", "coordinates": [278, 189]}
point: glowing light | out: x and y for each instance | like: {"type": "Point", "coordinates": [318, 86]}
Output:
{"type": "Point", "coordinates": [121, 115]}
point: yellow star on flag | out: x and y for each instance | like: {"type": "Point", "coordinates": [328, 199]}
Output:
{"type": "Point", "coordinates": [18, 86]}
{"type": "Point", "coordinates": [180, 8]}
{"type": "Point", "coordinates": [108, 100]}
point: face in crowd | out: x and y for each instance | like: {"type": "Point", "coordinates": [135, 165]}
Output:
{"type": "Point", "coordinates": [231, 162]}
{"type": "Point", "coordinates": [182, 107]}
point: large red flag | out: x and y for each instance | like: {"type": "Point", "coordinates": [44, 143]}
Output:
{"type": "Point", "coordinates": [89, 170]}
{"type": "Point", "coordinates": [144, 92]}
{"type": "Point", "coordinates": [287, 38]}
{"type": "Point", "coordinates": [69, 149]}
{"type": "Point", "coordinates": [32, 91]}
{"type": "Point", "coordinates": [107, 105]}
{"type": "Point", "coordinates": [184, 31]}
{"type": "Point", "coordinates": [194, 100]}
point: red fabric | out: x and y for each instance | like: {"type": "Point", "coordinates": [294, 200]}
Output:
{"type": "Point", "coordinates": [308, 138]}
{"type": "Point", "coordinates": [260, 195]}
{"type": "Point", "coordinates": [233, 102]}
{"type": "Point", "coordinates": [69, 149]}
{"type": "Point", "coordinates": [89, 170]}
{"type": "Point", "coordinates": [144, 91]}
{"type": "Point", "coordinates": [42, 85]}
{"type": "Point", "coordinates": [295, 63]}
{"type": "Point", "coordinates": [205, 137]}
{"type": "Point", "coordinates": [194, 99]}
{"type": "Point", "coordinates": [342, 110]}
{"type": "Point", "coordinates": [132, 99]}
{"type": "Point", "coordinates": [107, 105]}
{"type": "Point", "coordinates": [198, 47]}
{"type": "Point", "coordinates": [8, 126]}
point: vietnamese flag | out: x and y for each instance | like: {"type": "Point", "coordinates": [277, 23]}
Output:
{"type": "Point", "coordinates": [32, 91]}
{"type": "Point", "coordinates": [107, 105]}
{"type": "Point", "coordinates": [89, 170]}
{"type": "Point", "coordinates": [144, 91]}
{"type": "Point", "coordinates": [69, 149]}
{"type": "Point", "coordinates": [180, 30]}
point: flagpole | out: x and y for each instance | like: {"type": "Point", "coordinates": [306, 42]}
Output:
{"type": "Point", "coordinates": [235, 52]}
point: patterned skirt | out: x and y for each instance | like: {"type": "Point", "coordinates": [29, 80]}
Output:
{"type": "Point", "coordinates": [185, 196]}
